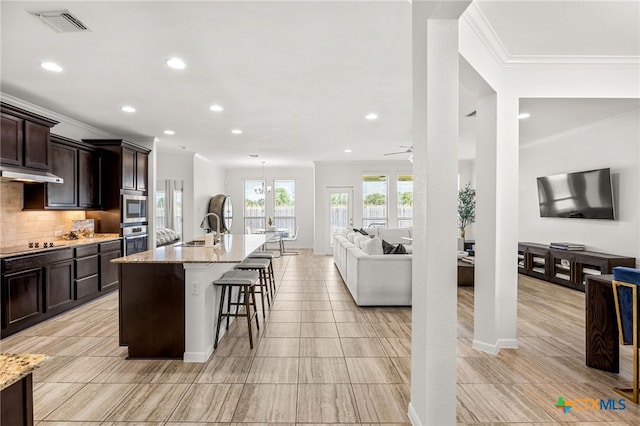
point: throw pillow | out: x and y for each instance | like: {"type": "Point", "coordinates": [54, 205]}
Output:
{"type": "Point", "coordinates": [387, 248]}
{"type": "Point", "coordinates": [372, 246]}
{"type": "Point", "coordinates": [399, 249]}
{"type": "Point", "coordinates": [362, 231]}
{"type": "Point", "coordinates": [350, 236]}
{"type": "Point", "coordinates": [357, 238]}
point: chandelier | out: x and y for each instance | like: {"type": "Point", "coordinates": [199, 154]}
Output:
{"type": "Point", "coordinates": [260, 189]}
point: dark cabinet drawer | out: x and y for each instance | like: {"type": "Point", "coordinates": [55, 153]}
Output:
{"type": "Point", "coordinates": [86, 266]}
{"type": "Point", "coordinates": [87, 250]}
{"type": "Point", "coordinates": [87, 286]}
{"type": "Point", "coordinates": [110, 246]}
{"type": "Point", "coordinates": [35, 260]}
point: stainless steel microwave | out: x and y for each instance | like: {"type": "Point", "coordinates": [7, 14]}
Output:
{"type": "Point", "coordinates": [134, 209]}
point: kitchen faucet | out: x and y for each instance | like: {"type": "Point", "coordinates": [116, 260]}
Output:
{"type": "Point", "coordinates": [217, 235]}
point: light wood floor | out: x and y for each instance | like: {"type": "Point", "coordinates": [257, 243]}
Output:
{"type": "Point", "coordinates": [319, 359]}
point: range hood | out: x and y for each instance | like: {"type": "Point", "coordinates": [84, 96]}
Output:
{"type": "Point", "coordinates": [17, 174]}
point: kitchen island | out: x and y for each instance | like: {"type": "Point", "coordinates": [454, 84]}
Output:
{"type": "Point", "coordinates": [168, 303]}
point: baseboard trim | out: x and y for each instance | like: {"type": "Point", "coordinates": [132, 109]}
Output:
{"type": "Point", "coordinates": [493, 349]}
{"type": "Point", "coordinates": [413, 416]}
{"type": "Point", "coordinates": [198, 356]}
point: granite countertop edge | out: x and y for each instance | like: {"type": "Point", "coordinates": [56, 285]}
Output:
{"type": "Point", "coordinates": [14, 367]}
{"type": "Point", "coordinates": [65, 244]}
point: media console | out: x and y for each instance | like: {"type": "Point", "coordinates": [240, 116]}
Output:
{"type": "Point", "coordinates": [566, 267]}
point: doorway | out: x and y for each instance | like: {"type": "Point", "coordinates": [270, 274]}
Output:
{"type": "Point", "coordinates": [339, 208]}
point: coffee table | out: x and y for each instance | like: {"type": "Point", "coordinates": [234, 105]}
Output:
{"type": "Point", "coordinates": [465, 274]}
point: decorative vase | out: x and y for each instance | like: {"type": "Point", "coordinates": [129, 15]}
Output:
{"type": "Point", "coordinates": [462, 232]}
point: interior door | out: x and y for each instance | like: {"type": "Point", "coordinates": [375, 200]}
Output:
{"type": "Point", "coordinates": [339, 208]}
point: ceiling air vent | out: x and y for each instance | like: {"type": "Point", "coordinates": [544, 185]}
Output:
{"type": "Point", "coordinates": [62, 21]}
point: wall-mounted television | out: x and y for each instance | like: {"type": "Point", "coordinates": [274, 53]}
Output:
{"type": "Point", "coordinates": [582, 195]}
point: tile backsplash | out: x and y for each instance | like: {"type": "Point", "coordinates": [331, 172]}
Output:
{"type": "Point", "coordinates": [18, 227]}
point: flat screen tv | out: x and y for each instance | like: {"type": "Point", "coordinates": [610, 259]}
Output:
{"type": "Point", "coordinates": [582, 195]}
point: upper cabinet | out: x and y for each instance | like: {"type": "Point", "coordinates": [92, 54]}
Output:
{"type": "Point", "coordinates": [129, 159]}
{"type": "Point", "coordinates": [25, 138]}
{"type": "Point", "coordinates": [79, 165]}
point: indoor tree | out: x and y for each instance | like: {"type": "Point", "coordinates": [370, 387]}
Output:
{"type": "Point", "coordinates": [466, 207]}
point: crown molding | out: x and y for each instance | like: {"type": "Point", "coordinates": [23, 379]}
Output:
{"type": "Point", "coordinates": [579, 129]}
{"type": "Point", "coordinates": [480, 25]}
{"type": "Point", "coordinates": [55, 116]}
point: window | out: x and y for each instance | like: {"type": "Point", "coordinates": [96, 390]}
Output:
{"type": "Point", "coordinates": [284, 205]}
{"type": "Point", "coordinates": [168, 211]}
{"type": "Point", "coordinates": [254, 211]}
{"type": "Point", "coordinates": [374, 201]}
{"type": "Point", "coordinates": [405, 201]}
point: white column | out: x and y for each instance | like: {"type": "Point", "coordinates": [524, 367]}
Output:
{"type": "Point", "coordinates": [496, 229]}
{"type": "Point", "coordinates": [435, 166]}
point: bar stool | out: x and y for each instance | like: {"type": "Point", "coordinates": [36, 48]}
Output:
{"type": "Point", "coordinates": [261, 266]}
{"type": "Point", "coordinates": [246, 281]}
{"type": "Point", "coordinates": [267, 255]}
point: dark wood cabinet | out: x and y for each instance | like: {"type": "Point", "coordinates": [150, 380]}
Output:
{"type": "Point", "coordinates": [38, 286]}
{"type": "Point", "coordinates": [22, 298]}
{"type": "Point", "coordinates": [25, 138]}
{"type": "Point", "coordinates": [127, 162]}
{"type": "Point", "coordinates": [64, 164]}
{"type": "Point", "coordinates": [86, 272]}
{"type": "Point", "coordinates": [109, 272]}
{"type": "Point", "coordinates": [58, 286]}
{"type": "Point", "coordinates": [11, 146]}
{"type": "Point", "coordinates": [566, 267]}
{"type": "Point", "coordinates": [36, 146]}
{"type": "Point", "coordinates": [142, 164]}
{"type": "Point", "coordinates": [88, 179]}
{"type": "Point", "coordinates": [79, 165]}
{"type": "Point", "coordinates": [16, 403]}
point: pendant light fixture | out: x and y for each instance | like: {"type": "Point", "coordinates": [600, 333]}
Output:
{"type": "Point", "coordinates": [260, 189]}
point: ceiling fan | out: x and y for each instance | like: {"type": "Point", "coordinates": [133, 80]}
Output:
{"type": "Point", "coordinates": [408, 150]}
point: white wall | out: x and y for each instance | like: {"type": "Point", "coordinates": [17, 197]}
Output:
{"type": "Point", "coordinates": [612, 144]}
{"type": "Point", "coordinates": [179, 166]}
{"type": "Point", "coordinates": [303, 177]}
{"type": "Point", "coordinates": [208, 180]}
{"type": "Point", "coordinates": [350, 174]}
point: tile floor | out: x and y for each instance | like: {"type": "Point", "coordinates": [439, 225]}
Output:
{"type": "Point", "coordinates": [318, 359]}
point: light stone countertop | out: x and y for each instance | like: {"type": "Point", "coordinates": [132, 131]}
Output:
{"type": "Point", "coordinates": [13, 367]}
{"type": "Point", "coordinates": [12, 251]}
{"type": "Point", "coordinates": [233, 248]}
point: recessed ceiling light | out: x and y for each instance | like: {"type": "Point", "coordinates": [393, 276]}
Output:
{"type": "Point", "coordinates": [236, 131]}
{"type": "Point", "coordinates": [169, 132]}
{"type": "Point", "coordinates": [371, 116]}
{"type": "Point", "coordinates": [51, 66]}
{"type": "Point", "coordinates": [524, 115]}
{"type": "Point", "coordinates": [216, 108]}
{"type": "Point", "coordinates": [128, 108]}
{"type": "Point", "coordinates": [347, 150]}
{"type": "Point", "coordinates": [176, 63]}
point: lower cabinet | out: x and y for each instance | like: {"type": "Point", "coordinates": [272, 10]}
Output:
{"type": "Point", "coordinates": [22, 298]}
{"type": "Point", "coordinates": [37, 286]}
{"type": "Point", "coordinates": [109, 272]}
{"type": "Point", "coordinates": [58, 286]}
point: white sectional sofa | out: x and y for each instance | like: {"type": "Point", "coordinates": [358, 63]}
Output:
{"type": "Point", "coordinates": [375, 279]}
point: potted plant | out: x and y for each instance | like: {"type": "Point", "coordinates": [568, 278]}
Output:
{"type": "Point", "coordinates": [466, 207]}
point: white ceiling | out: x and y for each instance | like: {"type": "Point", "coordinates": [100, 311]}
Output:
{"type": "Point", "coordinates": [296, 77]}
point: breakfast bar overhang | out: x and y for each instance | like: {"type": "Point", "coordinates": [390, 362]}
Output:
{"type": "Point", "coordinates": [167, 300]}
